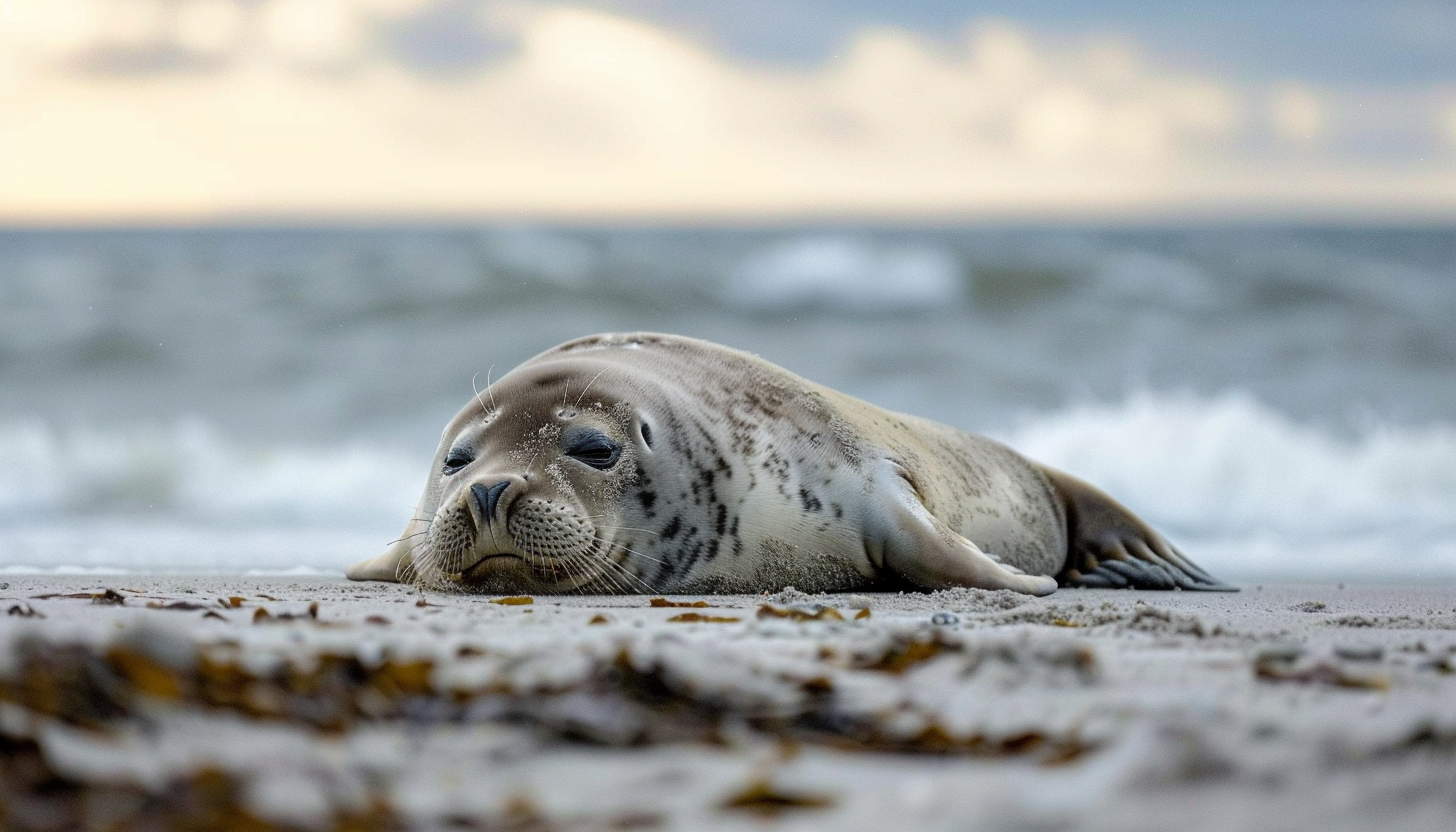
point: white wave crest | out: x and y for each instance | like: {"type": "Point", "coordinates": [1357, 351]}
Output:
{"type": "Point", "coordinates": [841, 272]}
{"type": "Point", "coordinates": [191, 471]}
{"type": "Point", "coordinates": [1229, 465]}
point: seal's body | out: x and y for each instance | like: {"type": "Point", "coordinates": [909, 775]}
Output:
{"type": "Point", "coordinates": [656, 463]}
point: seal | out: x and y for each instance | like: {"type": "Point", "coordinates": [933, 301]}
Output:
{"type": "Point", "coordinates": [626, 463]}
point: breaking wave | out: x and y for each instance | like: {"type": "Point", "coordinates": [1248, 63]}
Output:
{"type": "Point", "coordinates": [1231, 465]}
{"type": "Point", "coordinates": [192, 471]}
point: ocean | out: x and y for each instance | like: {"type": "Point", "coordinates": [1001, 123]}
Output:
{"type": "Point", "coordinates": [1281, 402]}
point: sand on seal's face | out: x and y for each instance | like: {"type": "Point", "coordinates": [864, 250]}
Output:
{"type": "Point", "coordinates": [305, 703]}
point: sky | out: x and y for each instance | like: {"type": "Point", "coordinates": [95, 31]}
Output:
{"type": "Point", "coordinates": [162, 111]}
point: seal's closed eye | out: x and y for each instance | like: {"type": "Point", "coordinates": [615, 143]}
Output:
{"type": "Point", "coordinates": [457, 458]}
{"type": "Point", "coordinates": [593, 448]}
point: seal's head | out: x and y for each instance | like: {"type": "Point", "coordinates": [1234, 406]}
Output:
{"type": "Point", "coordinates": [526, 485]}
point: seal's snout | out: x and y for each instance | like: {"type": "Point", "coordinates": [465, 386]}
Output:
{"type": "Point", "coordinates": [487, 499]}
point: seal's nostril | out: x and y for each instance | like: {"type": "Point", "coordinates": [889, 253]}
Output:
{"type": "Point", "coordinates": [487, 499]}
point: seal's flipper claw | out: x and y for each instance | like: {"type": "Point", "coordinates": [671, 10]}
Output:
{"type": "Point", "coordinates": [1109, 546]}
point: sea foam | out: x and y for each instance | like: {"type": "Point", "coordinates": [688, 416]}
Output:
{"type": "Point", "coordinates": [190, 470]}
{"type": "Point", "coordinates": [1231, 465]}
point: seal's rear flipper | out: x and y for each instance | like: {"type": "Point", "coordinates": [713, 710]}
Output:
{"type": "Point", "coordinates": [1108, 546]}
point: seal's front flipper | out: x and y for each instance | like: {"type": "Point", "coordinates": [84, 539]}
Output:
{"type": "Point", "coordinates": [920, 549]}
{"type": "Point", "coordinates": [394, 565]}
{"type": "Point", "coordinates": [1108, 546]}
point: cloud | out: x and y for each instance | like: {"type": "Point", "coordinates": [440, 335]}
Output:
{"type": "Point", "coordinates": [1296, 113]}
{"type": "Point", "coordinates": [213, 108]}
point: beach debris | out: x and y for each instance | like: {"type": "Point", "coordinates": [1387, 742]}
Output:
{"type": "Point", "coordinates": [145, 674]}
{"type": "Point", "coordinates": [862, 615]}
{"type": "Point", "coordinates": [697, 618]}
{"type": "Point", "coordinates": [945, 619]}
{"type": "Point", "coordinates": [1142, 617]}
{"type": "Point", "coordinates": [763, 798]}
{"type": "Point", "coordinates": [1280, 653]}
{"type": "Point", "coordinates": [1445, 664]}
{"type": "Point", "coordinates": [215, 614]}
{"type": "Point", "coordinates": [231, 602]}
{"type": "Point", "coordinates": [904, 653]}
{"type": "Point", "coordinates": [1310, 606]}
{"type": "Point", "coordinates": [24, 611]}
{"type": "Point", "coordinates": [1286, 665]}
{"type": "Point", "coordinates": [663, 602]}
{"type": "Point", "coordinates": [800, 612]}
{"type": "Point", "coordinates": [1360, 652]}
{"type": "Point", "coordinates": [36, 795]}
{"type": "Point", "coordinates": [514, 601]}
{"type": "Point", "coordinates": [262, 616]}
{"type": "Point", "coordinates": [1437, 621]}
{"type": "Point", "coordinates": [599, 619]}
{"type": "Point", "coordinates": [109, 597]}
{"type": "Point", "coordinates": [175, 605]}
{"type": "Point", "coordinates": [612, 699]}
{"type": "Point", "coordinates": [378, 620]}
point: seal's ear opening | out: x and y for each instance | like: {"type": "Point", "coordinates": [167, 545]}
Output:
{"type": "Point", "coordinates": [646, 431]}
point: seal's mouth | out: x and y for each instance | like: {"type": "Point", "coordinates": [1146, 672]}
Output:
{"type": "Point", "coordinates": [531, 544]}
{"type": "Point", "coordinates": [512, 572]}
{"type": "Point", "coordinates": [477, 564]}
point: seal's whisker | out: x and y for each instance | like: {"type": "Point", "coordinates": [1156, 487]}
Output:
{"type": "Point", "coordinates": [606, 556]}
{"type": "Point", "coordinates": [619, 528]}
{"type": "Point", "coordinates": [607, 576]}
{"type": "Point", "coordinates": [477, 392]}
{"type": "Point", "coordinates": [582, 578]}
{"type": "Point", "coordinates": [594, 580]}
{"type": "Point", "coordinates": [558, 566]}
{"type": "Point", "coordinates": [634, 576]}
{"type": "Point", "coordinates": [586, 576]}
{"type": "Point", "coordinates": [625, 549]}
{"type": "Point", "coordinates": [588, 387]}
{"type": "Point", "coordinates": [488, 389]}
{"type": "Point", "coordinates": [406, 537]}
{"type": "Point", "coordinates": [629, 529]}
{"type": "Point", "coordinates": [406, 572]}
{"type": "Point", "coordinates": [570, 564]}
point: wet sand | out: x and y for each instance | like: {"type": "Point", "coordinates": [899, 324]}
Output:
{"type": "Point", "coordinates": [314, 703]}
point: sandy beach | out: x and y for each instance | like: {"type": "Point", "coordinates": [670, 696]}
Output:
{"type": "Point", "coordinates": [157, 702]}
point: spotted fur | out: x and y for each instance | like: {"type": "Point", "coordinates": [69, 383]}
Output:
{"type": "Point", "coordinates": [738, 476]}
